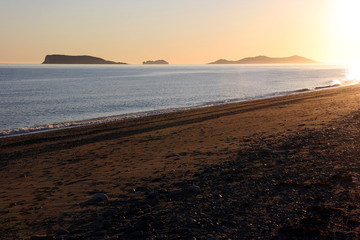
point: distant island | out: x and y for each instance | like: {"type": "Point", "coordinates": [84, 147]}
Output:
{"type": "Point", "coordinates": [84, 59]}
{"type": "Point", "coordinates": [156, 62]}
{"type": "Point", "coordinates": [266, 60]}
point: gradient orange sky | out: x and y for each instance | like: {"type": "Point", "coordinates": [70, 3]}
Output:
{"type": "Point", "coordinates": [179, 31]}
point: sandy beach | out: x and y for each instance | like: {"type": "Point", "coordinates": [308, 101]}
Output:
{"type": "Point", "coordinates": [278, 168]}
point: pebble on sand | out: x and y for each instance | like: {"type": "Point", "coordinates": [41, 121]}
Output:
{"type": "Point", "coordinates": [265, 150]}
{"type": "Point", "coordinates": [96, 199]}
{"type": "Point", "coordinates": [194, 189]}
{"type": "Point", "coordinates": [99, 197]}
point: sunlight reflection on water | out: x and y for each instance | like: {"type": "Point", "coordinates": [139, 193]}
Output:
{"type": "Point", "coordinates": [353, 71]}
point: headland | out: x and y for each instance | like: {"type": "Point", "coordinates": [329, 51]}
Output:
{"type": "Point", "coordinates": [266, 60]}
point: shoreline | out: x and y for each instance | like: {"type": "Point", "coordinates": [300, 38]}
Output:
{"type": "Point", "coordinates": [73, 124]}
{"type": "Point", "coordinates": [277, 167]}
{"type": "Point", "coordinates": [155, 113]}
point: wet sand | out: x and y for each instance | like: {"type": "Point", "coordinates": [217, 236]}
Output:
{"type": "Point", "coordinates": [273, 168]}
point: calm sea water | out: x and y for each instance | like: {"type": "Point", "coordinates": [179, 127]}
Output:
{"type": "Point", "coordinates": [42, 97]}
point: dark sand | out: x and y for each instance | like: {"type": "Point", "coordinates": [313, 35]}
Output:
{"type": "Point", "coordinates": [285, 167]}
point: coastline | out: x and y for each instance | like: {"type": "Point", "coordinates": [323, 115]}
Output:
{"type": "Point", "coordinates": [212, 158]}
{"type": "Point", "coordinates": [149, 115]}
{"type": "Point", "coordinates": [100, 120]}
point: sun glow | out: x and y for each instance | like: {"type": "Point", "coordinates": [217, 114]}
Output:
{"type": "Point", "coordinates": [347, 16]}
{"type": "Point", "coordinates": [345, 30]}
{"type": "Point", "coordinates": [354, 71]}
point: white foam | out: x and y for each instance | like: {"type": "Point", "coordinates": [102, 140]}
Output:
{"type": "Point", "coordinates": [49, 127]}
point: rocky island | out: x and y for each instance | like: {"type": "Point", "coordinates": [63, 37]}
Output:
{"type": "Point", "coordinates": [84, 59]}
{"type": "Point", "coordinates": [266, 60]}
{"type": "Point", "coordinates": [156, 62]}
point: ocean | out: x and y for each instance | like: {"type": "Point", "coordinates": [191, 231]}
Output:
{"type": "Point", "coordinates": [44, 97]}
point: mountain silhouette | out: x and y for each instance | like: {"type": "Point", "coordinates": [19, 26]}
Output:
{"type": "Point", "coordinates": [266, 60]}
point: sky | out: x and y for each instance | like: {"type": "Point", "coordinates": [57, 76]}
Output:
{"type": "Point", "coordinates": [179, 31]}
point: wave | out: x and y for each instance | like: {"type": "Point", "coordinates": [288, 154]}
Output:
{"type": "Point", "coordinates": [334, 83]}
{"type": "Point", "coordinates": [57, 126]}
{"type": "Point", "coordinates": [49, 127]}
{"type": "Point", "coordinates": [344, 82]}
